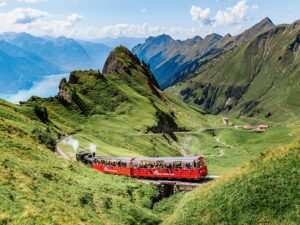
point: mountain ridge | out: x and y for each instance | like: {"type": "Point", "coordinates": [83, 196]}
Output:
{"type": "Point", "coordinates": [184, 59]}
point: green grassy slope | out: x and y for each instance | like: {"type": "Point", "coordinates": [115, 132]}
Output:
{"type": "Point", "coordinates": [37, 187]}
{"type": "Point", "coordinates": [260, 78]}
{"type": "Point", "coordinates": [264, 192]}
{"type": "Point", "coordinates": [122, 113]}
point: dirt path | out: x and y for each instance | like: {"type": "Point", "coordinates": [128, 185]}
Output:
{"type": "Point", "coordinates": [222, 143]}
{"type": "Point", "coordinates": [61, 153]}
{"type": "Point", "coordinates": [58, 151]}
{"type": "Point", "coordinates": [222, 150]}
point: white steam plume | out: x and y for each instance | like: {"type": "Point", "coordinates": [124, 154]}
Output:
{"type": "Point", "coordinates": [92, 148]}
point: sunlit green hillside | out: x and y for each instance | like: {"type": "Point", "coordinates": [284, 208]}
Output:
{"type": "Point", "coordinates": [266, 191]}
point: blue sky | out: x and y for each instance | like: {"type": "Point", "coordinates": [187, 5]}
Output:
{"type": "Point", "coordinates": [93, 19]}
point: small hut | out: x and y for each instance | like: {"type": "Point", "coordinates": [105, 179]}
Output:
{"type": "Point", "coordinates": [263, 126]}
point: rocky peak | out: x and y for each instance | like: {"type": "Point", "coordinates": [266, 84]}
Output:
{"type": "Point", "coordinates": [213, 37]}
{"type": "Point", "coordinates": [122, 61]}
{"type": "Point", "coordinates": [227, 36]}
{"type": "Point", "coordinates": [194, 40]}
{"type": "Point", "coordinates": [161, 38]}
{"type": "Point", "coordinates": [267, 20]}
{"type": "Point", "coordinates": [263, 25]}
{"type": "Point", "coordinates": [119, 61]}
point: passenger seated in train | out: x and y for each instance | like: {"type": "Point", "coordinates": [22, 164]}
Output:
{"type": "Point", "coordinates": [187, 166]}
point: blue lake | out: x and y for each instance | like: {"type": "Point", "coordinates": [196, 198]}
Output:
{"type": "Point", "coordinates": [45, 88]}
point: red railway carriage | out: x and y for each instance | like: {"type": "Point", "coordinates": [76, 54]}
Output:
{"type": "Point", "coordinates": [163, 167]}
{"type": "Point", "coordinates": [113, 165]}
{"type": "Point", "coordinates": [170, 167]}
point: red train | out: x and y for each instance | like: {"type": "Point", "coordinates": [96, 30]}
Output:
{"type": "Point", "coordinates": [163, 167]}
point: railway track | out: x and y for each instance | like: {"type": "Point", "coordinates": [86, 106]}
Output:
{"type": "Point", "coordinates": [180, 182]}
{"type": "Point", "coordinates": [172, 187]}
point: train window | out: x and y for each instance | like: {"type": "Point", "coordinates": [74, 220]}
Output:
{"type": "Point", "coordinates": [168, 165]}
{"type": "Point", "coordinates": [187, 166]}
{"type": "Point", "coordinates": [198, 164]}
{"type": "Point", "coordinates": [143, 164]}
{"type": "Point", "coordinates": [135, 165]}
{"type": "Point", "coordinates": [177, 165]}
{"type": "Point", "coordinates": [159, 164]}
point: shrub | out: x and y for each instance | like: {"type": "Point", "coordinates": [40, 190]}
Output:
{"type": "Point", "coordinates": [41, 112]}
{"type": "Point", "coordinates": [44, 137]}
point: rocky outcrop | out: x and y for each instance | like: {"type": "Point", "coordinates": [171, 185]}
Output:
{"type": "Point", "coordinates": [120, 61]}
{"type": "Point", "coordinates": [113, 65]}
{"type": "Point", "coordinates": [63, 94]}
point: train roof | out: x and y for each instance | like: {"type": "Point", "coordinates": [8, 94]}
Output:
{"type": "Point", "coordinates": [124, 159]}
{"type": "Point", "coordinates": [170, 159]}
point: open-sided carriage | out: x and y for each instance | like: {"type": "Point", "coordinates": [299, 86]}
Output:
{"type": "Point", "coordinates": [155, 168]}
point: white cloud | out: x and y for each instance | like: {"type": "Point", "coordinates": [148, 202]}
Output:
{"type": "Point", "coordinates": [144, 10]}
{"type": "Point", "coordinates": [40, 23]}
{"type": "Point", "coordinates": [3, 3]}
{"type": "Point", "coordinates": [131, 30]}
{"type": "Point", "coordinates": [200, 15]}
{"type": "Point", "coordinates": [73, 19]}
{"type": "Point", "coordinates": [68, 27]}
{"type": "Point", "coordinates": [230, 16]}
{"type": "Point", "coordinates": [37, 22]}
{"type": "Point", "coordinates": [24, 16]}
{"type": "Point", "coordinates": [19, 17]}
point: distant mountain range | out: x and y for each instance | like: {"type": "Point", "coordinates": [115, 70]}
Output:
{"type": "Point", "coordinates": [25, 58]}
{"type": "Point", "coordinates": [173, 60]}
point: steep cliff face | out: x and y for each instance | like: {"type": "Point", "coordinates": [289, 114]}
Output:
{"type": "Point", "coordinates": [259, 77]}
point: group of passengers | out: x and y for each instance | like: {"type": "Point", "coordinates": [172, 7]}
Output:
{"type": "Point", "coordinates": [160, 165]}
{"type": "Point", "coordinates": [148, 165]}
{"type": "Point", "coordinates": [111, 163]}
